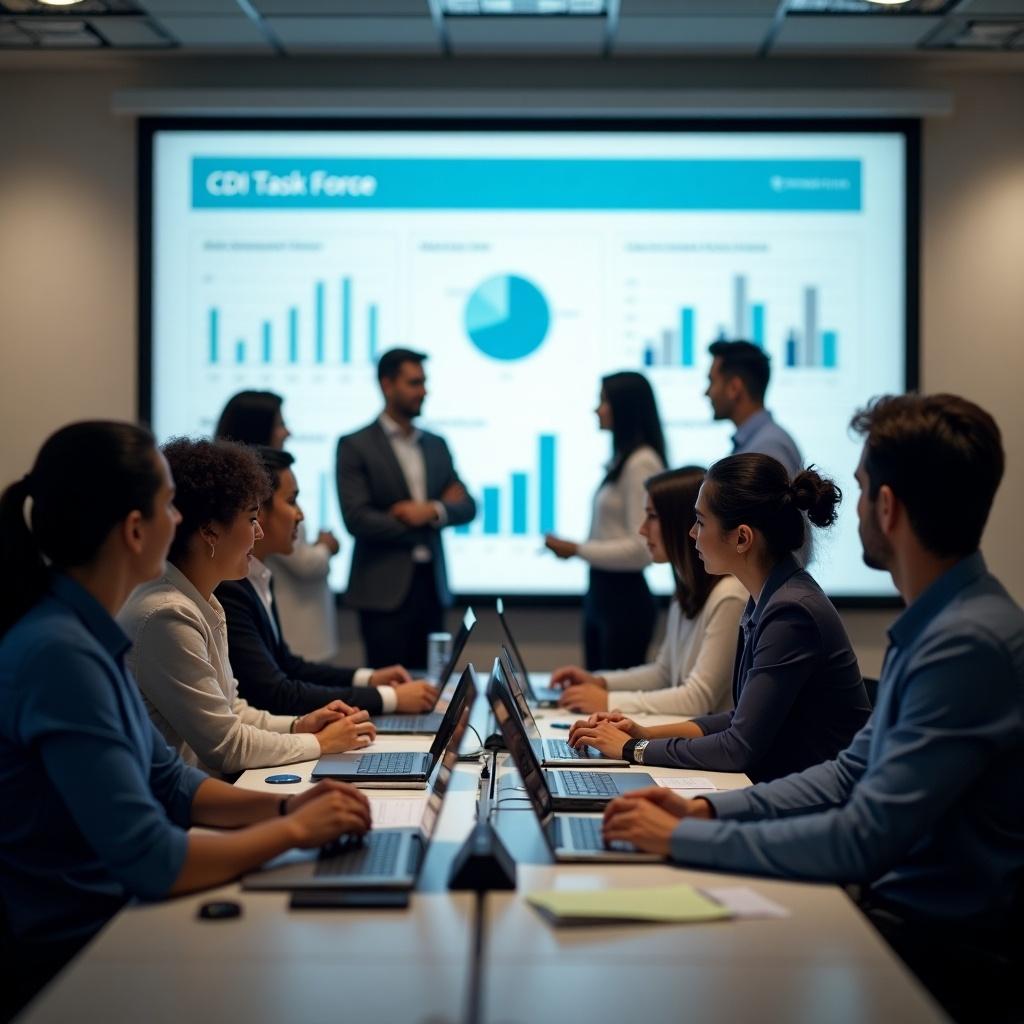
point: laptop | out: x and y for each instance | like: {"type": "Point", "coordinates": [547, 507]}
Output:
{"type": "Point", "coordinates": [586, 790]}
{"type": "Point", "coordinates": [569, 837]}
{"type": "Point", "coordinates": [386, 858]}
{"type": "Point", "coordinates": [397, 769]}
{"type": "Point", "coordinates": [550, 753]}
{"type": "Point", "coordinates": [427, 723]}
{"type": "Point", "coordinates": [536, 686]}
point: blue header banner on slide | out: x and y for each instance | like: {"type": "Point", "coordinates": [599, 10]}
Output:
{"type": "Point", "coordinates": [284, 183]}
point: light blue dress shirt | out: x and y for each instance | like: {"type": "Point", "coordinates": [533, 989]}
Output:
{"type": "Point", "coordinates": [763, 435]}
{"type": "Point", "coordinates": [95, 804]}
{"type": "Point", "coordinates": [927, 803]}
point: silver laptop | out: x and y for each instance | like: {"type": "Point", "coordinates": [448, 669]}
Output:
{"type": "Point", "coordinates": [570, 837]}
{"type": "Point", "coordinates": [400, 769]}
{"type": "Point", "coordinates": [428, 722]}
{"type": "Point", "coordinates": [582, 790]}
{"type": "Point", "coordinates": [550, 753]}
{"type": "Point", "coordinates": [537, 685]}
{"type": "Point", "coordinates": [386, 858]}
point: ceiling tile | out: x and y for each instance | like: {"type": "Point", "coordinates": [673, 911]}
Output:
{"type": "Point", "coordinates": [184, 8]}
{"type": "Point", "coordinates": [338, 8]}
{"type": "Point", "coordinates": [676, 8]}
{"type": "Point", "coordinates": [691, 35]}
{"type": "Point", "coordinates": [534, 35]}
{"type": "Point", "coordinates": [990, 8]}
{"type": "Point", "coordinates": [237, 33]}
{"type": "Point", "coordinates": [125, 31]}
{"type": "Point", "coordinates": [833, 33]}
{"type": "Point", "coordinates": [354, 35]}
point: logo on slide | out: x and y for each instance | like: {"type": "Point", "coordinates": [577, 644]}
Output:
{"type": "Point", "coordinates": [507, 317]}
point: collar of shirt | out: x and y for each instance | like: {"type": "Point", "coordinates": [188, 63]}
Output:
{"type": "Point", "coordinates": [260, 577]}
{"type": "Point", "coordinates": [751, 427]}
{"type": "Point", "coordinates": [212, 610]}
{"type": "Point", "coordinates": [94, 616]}
{"type": "Point", "coordinates": [909, 625]}
{"type": "Point", "coordinates": [393, 430]}
{"type": "Point", "coordinates": [783, 570]}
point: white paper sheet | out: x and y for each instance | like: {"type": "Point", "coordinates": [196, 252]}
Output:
{"type": "Point", "coordinates": [679, 782]}
{"type": "Point", "coordinates": [396, 812]}
{"type": "Point", "coordinates": [744, 901]}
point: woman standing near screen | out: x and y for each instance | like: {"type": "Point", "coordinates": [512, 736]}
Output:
{"type": "Point", "coordinates": [305, 601]}
{"type": "Point", "coordinates": [619, 611]}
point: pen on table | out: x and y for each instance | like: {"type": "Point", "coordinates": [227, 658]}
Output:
{"type": "Point", "coordinates": [560, 725]}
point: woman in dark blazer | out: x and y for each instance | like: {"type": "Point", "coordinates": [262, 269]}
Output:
{"type": "Point", "coordinates": [798, 689]}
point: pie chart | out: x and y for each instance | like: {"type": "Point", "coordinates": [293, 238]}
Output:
{"type": "Point", "coordinates": [507, 317]}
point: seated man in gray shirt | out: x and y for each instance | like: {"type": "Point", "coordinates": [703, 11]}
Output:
{"type": "Point", "coordinates": [925, 808]}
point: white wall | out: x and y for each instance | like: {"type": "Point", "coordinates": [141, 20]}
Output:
{"type": "Point", "coordinates": [68, 254]}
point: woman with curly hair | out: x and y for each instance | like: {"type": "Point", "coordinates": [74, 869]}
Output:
{"type": "Point", "coordinates": [179, 655]}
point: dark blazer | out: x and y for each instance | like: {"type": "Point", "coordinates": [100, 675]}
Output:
{"type": "Point", "coordinates": [370, 481]}
{"type": "Point", "coordinates": [270, 676]}
{"type": "Point", "coordinates": [796, 684]}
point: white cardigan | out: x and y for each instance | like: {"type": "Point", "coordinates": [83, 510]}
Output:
{"type": "Point", "coordinates": [693, 672]}
{"type": "Point", "coordinates": [614, 543]}
{"type": "Point", "coordinates": [179, 658]}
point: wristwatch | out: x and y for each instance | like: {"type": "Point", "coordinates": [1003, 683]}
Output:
{"type": "Point", "coordinates": [634, 751]}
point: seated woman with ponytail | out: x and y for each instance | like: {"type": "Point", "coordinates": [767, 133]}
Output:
{"type": "Point", "coordinates": [178, 628]}
{"type": "Point", "coordinates": [96, 807]}
{"type": "Point", "coordinates": [798, 691]}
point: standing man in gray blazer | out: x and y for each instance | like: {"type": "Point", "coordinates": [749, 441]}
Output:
{"type": "Point", "coordinates": [398, 489]}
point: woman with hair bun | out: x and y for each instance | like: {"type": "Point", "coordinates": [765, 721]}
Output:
{"type": "Point", "coordinates": [798, 690]}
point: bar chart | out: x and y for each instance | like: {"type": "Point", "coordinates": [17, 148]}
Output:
{"type": "Point", "coordinates": [301, 333]}
{"type": "Point", "coordinates": [523, 505]}
{"type": "Point", "coordinates": [812, 346]}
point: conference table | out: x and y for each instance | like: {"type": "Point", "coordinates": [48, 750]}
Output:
{"type": "Point", "coordinates": [462, 957]}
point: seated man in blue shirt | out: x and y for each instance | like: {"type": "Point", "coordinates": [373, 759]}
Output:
{"type": "Point", "coordinates": [925, 808]}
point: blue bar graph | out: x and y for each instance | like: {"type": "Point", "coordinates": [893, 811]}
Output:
{"type": "Point", "coordinates": [319, 301]}
{"type": "Point", "coordinates": [267, 352]}
{"type": "Point", "coordinates": [240, 351]}
{"type": "Point", "coordinates": [325, 484]}
{"type": "Point", "coordinates": [214, 332]}
{"type": "Point", "coordinates": [346, 320]}
{"type": "Point", "coordinates": [462, 528]}
{"type": "Point", "coordinates": [519, 489]}
{"type": "Point", "coordinates": [492, 510]}
{"type": "Point", "coordinates": [757, 323]}
{"type": "Point", "coordinates": [791, 349]}
{"type": "Point", "coordinates": [546, 490]}
{"type": "Point", "coordinates": [829, 344]}
{"type": "Point", "coordinates": [293, 334]}
{"type": "Point", "coordinates": [371, 330]}
{"type": "Point", "coordinates": [687, 329]}
{"type": "Point", "coordinates": [650, 359]}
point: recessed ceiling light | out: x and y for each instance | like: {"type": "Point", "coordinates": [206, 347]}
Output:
{"type": "Point", "coordinates": [889, 3]}
{"type": "Point", "coordinates": [60, 3]}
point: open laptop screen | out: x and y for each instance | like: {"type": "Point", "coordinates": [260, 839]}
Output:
{"type": "Point", "coordinates": [518, 743]}
{"type": "Point", "coordinates": [515, 685]}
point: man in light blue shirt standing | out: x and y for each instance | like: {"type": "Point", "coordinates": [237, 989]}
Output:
{"type": "Point", "coordinates": [737, 382]}
{"type": "Point", "coordinates": [925, 808]}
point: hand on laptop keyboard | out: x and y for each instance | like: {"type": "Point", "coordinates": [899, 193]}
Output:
{"type": "Point", "coordinates": [329, 810]}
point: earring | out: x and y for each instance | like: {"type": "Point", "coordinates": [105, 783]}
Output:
{"type": "Point", "coordinates": [213, 551]}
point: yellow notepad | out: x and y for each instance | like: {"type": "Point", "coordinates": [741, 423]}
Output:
{"type": "Point", "coordinates": [665, 904]}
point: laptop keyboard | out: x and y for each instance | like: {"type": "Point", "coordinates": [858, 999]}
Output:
{"type": "Point", "coordinates": [419, 723]}
{"type": "Point", "coordinates": [587, 784]}
{"type": "Point", "coordinates": [561, 750]}
{"type": "Point", "coordinates": [375, 854]}
{"type": "Point", "coordinates": [388, 764]}
{"type": "Point", "coordinates": [586, 835]}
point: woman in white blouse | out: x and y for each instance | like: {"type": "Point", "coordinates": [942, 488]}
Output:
{"type": "Point", "coordinates": [179, 653]}
{"type": "Point", "coordinates": [619, 611]}
{"type": "Point", "coordinates": [305, 601]}
{"type": "Point", "coordinates": [692, 674]}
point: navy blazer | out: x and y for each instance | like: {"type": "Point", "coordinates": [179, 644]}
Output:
{"type": "Point", "coordinates": [370, 481]}
{"type": "Point", "coordinates": [797, 687]}
{"type": "Point", "coordinates": [270, 676]}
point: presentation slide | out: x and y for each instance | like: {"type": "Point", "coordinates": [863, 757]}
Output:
{"type": "Point", "coordinates": [528, 264]}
